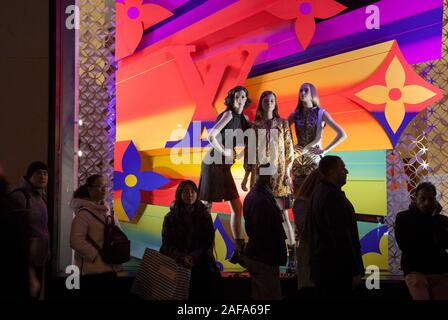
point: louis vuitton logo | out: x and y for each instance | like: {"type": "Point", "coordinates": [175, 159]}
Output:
{"type": "Point", "coordinates": [208, 78]}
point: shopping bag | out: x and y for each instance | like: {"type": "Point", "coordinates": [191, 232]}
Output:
{"type": "Point", "coordinates": [161, 278]}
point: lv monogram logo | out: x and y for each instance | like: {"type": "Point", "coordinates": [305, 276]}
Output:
{"type": "Point", "coordinates": [211, 77]}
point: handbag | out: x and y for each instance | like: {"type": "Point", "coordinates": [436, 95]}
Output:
{"type": "Point", "coordinates": [116, 247]}
{"type": "Point", "coordinates": [160, 278]}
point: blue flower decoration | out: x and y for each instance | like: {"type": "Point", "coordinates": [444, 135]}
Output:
{"type": "Point", "coordinates": [371, 241]}
{"type": "Point", "coordinates": [132, 180]}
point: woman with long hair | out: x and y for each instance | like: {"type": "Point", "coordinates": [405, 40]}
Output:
{"type": "Point", "coordinates": [309, 119]}
{"type": "Point", "coordinates": [87, 236]}
{"type": "Point", "coordinates": [216, 183]}
{"type": "Point", "coordinates": [188, 237]}
{"type": "Point", "coordinates": [274, 146]}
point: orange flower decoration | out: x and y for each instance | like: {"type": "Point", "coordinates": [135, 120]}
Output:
{"type": "Point", "coordinates": [132, 18]}
{"type": "Point", "coordinates": [395, 94]}
{"type": "Point", "coordinates": [304, 12]}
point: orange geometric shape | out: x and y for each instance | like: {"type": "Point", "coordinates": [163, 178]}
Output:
{"type": "Point", "coordinates": [395, 94]}
{"type": "Point", "coordinates": [172, 88]}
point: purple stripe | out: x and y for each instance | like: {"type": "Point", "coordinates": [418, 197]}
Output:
{"type": "Point", "coordinates": [167, 4]}
{"type": "Point", "coordinates": [412, 34]}
{"type": "Point", "coordinates": [284, 42]}
{"type": "Point", "coordinates": [282, 39]}
{"type": "Point", "coordinates": [179, 11]}
{"type": "Point", "coordinates": [203, 11]}
{"type": "Point", "coordinates": [390, 11]}
{"type": "Point", "coordinates": [413, 52]}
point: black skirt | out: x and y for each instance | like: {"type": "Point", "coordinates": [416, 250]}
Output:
{"type": "Point", "coordinates": [216, 183]}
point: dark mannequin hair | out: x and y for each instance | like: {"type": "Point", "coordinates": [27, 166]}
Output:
{"type": "Point", "coordinates": [229, 101]}
{"type": "Point", "coordinates": [259, 113]}
{"type": "Point", "coordinates": [83, 192]}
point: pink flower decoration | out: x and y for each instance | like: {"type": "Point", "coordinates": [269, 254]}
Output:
{"type": "Point", "coordinates": [304, 12]}
{"type": "Point", "coordinates": [132, 18]}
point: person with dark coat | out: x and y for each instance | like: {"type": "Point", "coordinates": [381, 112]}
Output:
{"type": "Point", "coordinates": [303, 198]}
{"type": "Point", "coordinates": [188, 237]}
{"type": "Point", "coordinates": [300, 210]}
{"type": "Point", "coordinates": [266, 247]}
{"type": "Point", "coordinates": [14, 246]}
{"type": "Point", "coordinates": [422, 235]}
{"type": "Point", "coordinates": [331, 232]}
{"type": "Point", "coordinates": [31, 196]}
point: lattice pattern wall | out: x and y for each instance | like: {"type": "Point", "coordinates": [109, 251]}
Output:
{"type": "Point", "coordinates": [97, 88]}
{"type": "Point", "coordinates": [422, 151]}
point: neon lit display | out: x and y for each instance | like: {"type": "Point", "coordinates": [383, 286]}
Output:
{"type": "Point", "coordinates": [173, 77]}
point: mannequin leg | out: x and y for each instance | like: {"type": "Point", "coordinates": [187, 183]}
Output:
{"type": "Point", "coordinates": [235, 226]}
{"type": "Point", "coordinates": [236, 217]}
{"type": "Point", "coordinates": [286, 223]}
{"type": "Point", "coordinates": [35, 285]}
{"type": "Point", "coordinates": [289, 230]}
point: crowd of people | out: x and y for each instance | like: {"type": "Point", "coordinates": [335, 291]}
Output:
{"type": "Point", "coordinates": [324, 251]}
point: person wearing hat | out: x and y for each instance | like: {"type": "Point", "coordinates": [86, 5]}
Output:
{"type": "Point", "coordinates": [14, 275]}
{"type": "Point", "coordinates": [30, 194]}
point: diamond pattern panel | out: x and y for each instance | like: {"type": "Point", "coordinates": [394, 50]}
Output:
{"type": "Point", "coordinates": [422, 152]}
{"type": "Point", "coordinates": [97, 89]}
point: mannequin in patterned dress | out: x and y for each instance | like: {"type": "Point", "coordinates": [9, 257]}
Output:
{"type": "Point", "coordinates": [309, 119]}
{"type": "Point", "coordinates": [274, 137]}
